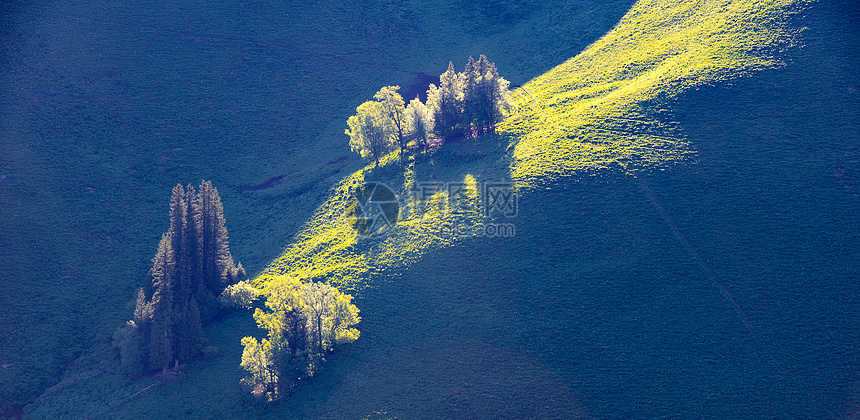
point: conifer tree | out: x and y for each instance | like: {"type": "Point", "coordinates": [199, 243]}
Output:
{"type": "Point", "coordinates": [181, 238]}
{"type": "Point", "coordinates": [142, 309]}
{"type": "Point", "coordinates": [217, 266]}
{"type": "Point", "coordinates": [142, 318]}
{"type": "Point", "coordinates": [191, 331]}
{"type": "Point", "coordinates": [469, 81]}
{"type": "Point", "coordinates": [445, 101]}
{"type": "Point", "coordinates": [193, 216]}
{"type": "Point", "coordinates": [161, 325]}
{"type": "Point", "coordinates": [419, 120]}
{"type": "Point", "coordinates": [193, 261]}
{"type": "Point", "coordinates": [492, 96]}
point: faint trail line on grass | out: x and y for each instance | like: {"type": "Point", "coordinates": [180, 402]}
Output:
{"type": "Point", "coordinates": [126, 398]}
{"type": "Point", "coordinates": [681, 238]}
{"type": "Point", "coordinates": [535, 103]}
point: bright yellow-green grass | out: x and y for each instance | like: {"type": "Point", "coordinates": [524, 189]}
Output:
{"type": "Point", "coordinates": [603, 108]}
{"type": "Point", "coordinates": [329, 249]}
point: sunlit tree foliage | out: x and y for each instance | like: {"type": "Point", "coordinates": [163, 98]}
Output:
{"type": "Point", "coordinates": [394, 107]}
{"type": "Point", "coordinates": [303, 322]}
{"type": "Point", "coordinates": [371, 132]}
{"type": "Point", "coordinates": [419, 122]}
{"type": "Point", "coordinates": [467, 104]}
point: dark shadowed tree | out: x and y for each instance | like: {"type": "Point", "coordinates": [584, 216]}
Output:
{"type": "Point", "coordinates": [129, 341]}
{"type": "Point", "coordinates": [190, 332]}
{"type": "Point", "coordinates": [217, 267]}
{"type": "Point", "coordinates": [161, 324]}
{"type": "Point", "coordinates": [492, 100]}
{"type": "Point", "coordinates": [469, 81]}
{"type": "Point", "coordinates": [182, 236]}
{"type": "Point", "coordinates": [445, 102]}
{"type": "Point", "coordinates": [193, 261]}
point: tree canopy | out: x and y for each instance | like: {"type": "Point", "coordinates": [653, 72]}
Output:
{"type": "Point", "coordinates": [371, 131]}
{"type": "Point", "coordinates": [304, 322]}
{"type": "Point", "coordinates": [394, 106]}
{"type": "Point", "coordinates": [468, 104]}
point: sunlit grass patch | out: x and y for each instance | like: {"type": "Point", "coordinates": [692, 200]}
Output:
{"type": "Point", "coordinates": [329, 248]}
{"type": "Point", "coordinates": [605, 108]}
{"type": "Point", "coordinates": [608, 105]}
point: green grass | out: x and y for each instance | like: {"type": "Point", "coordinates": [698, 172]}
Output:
{"type": "Point", "coordinates": [593, 267]}
{"type": "Point", "coordinates": [106, 107]}
{"type": "Point", "coordinates": [597, 110]}
{"type": "Point", "coordinates": [606, 107]}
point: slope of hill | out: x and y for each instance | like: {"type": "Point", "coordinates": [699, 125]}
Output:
{"type": "Point", "coordinates": [106, 106]}
{"type": "Point", "coordinates": [719, 288]}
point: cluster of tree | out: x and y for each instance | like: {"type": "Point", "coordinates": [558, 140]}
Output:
{"type": "Point", "coordinates": [304, 322]}
{"type": "Point", "coordinates": [192, 266]}
{"type": "Point", "coordinates": [468, 104]}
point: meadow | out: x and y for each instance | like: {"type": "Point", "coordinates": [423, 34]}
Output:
{"type": "Point", "coordinates": [717, 282]}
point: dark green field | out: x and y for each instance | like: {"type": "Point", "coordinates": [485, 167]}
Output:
{"type": "Point", "coordinates": [724, 286]}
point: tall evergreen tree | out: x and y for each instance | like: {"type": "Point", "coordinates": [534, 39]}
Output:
{"type": "Point", "coordinates": [419, 120]}
{"type": "Point", "coordinates": [181, 239]}
{"type": "Point", "coordinates": [193, 261]}
{"type": "Point", "coordinates": [161, 325]}
{"type": "Point", "coordinates": [193, 216]}
{"type": "Point", "coordinates": [493, 99]}
{"type": "Point", "coordinates": [469, 82]}
{"type": "Point", "coordinates": [445, 102]}
{"type": "Point", "coordinates": [213, 252]}
{"type": "Point", "coordinates": [191, 331]}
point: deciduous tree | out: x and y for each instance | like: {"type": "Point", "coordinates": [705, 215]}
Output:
{"type": "Point", "coordinates": [371, 132]}
{"type": "Point", "coordinates": [303, 322]}
{"type": "Point", "coordinates": [394, 107]}
{"type": "Point", "coordinates": [258, 362]}
{"type": "Point", "coordinates": [318, 299]}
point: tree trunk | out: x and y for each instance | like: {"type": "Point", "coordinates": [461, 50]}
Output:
{"type": "Point", "coordinates": [319, 334]}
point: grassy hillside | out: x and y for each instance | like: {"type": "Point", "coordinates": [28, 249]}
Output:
{"type": "Point", "coordinates": [590, 113]}
{"type": "Point", "coordinates": [720, 288]}
{"type": "Point", "coordinates": [106, 106]}
{"type": "Point", "coordinates": [606, 106]}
